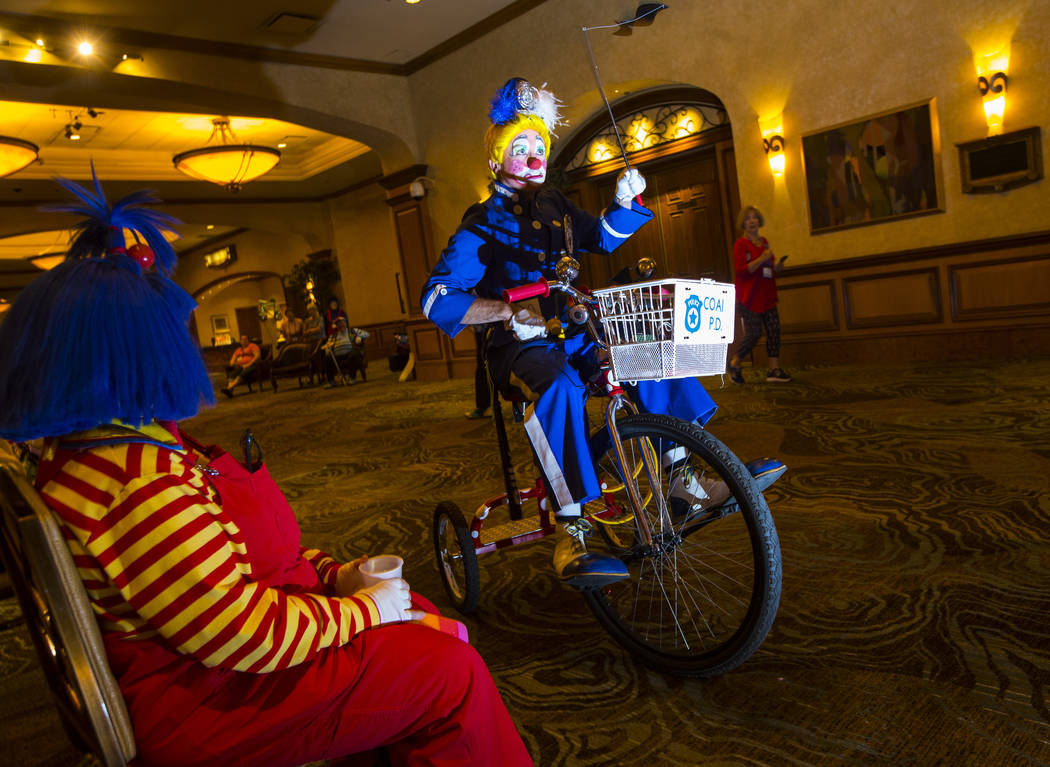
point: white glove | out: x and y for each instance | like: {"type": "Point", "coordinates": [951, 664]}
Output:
{"type": "Point", "coordinates": [348, 578]}
{"type": "Point", "coordinates": [527, 325]}
{"type": "Point", "coordinates": [629, 185]}
{"type": "Point", "coordinates": [393, 601]}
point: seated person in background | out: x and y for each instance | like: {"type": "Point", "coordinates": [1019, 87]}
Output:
{"type": "Point", "coordinates": [291, 327]}
{"type": "Point", "coordinates": [402, 348]}
{"type": "Point", "coordinates": [343, 354]}
{"type": "Point", "coordinates": [333, 314]}
{"type": "Point", "coordinates": [244, 360]}
{"type": "Point", "coordinates": [640, 272]}
{"type": "Point", "coordinates": [231, 643]}
{"type": "Point", "coordinates": [313, 325]}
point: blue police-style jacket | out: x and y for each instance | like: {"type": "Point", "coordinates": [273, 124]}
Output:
{"type": "Point", "coordinates": [506, 241]}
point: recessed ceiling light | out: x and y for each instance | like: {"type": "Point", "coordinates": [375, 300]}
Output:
{"type": "Point", "coordinates": [210, 226]}
{"type": "Point", "coordinates": [411, 2]}
{"type": "Point", "coordinates": [282, 144]}
{"type": "Point", "coordinates": [40, 42]}
{"type": "Point", "coordinates": [84, 48]}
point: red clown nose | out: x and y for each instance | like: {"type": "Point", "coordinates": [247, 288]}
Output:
{"type": "Point", "coordinates": [143, 254]}
{"type": "Point", "coordinates": [533, 163]}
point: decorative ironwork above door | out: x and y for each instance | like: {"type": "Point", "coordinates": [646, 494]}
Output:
{"type": "Point", "coordinates": [655, 125]}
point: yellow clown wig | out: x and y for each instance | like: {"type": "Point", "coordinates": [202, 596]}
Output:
{"type": "Point", "coordinates": [517, 107]}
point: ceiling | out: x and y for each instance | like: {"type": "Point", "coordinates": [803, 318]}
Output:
{"type": "Point", "coordinates": [135, 145]}
{"type": "Point", "coordinates": [390, 32]}
{"type": "Point", "coordinates": [130, 147]}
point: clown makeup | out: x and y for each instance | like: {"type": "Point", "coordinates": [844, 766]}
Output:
{"type": "Point", "coordinates": [524, 161]}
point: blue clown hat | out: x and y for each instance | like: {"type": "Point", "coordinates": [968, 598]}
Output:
{"type": "Point", "coordinates": [104, 335]}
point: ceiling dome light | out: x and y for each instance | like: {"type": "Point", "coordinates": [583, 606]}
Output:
{"type": "Point", "coordinates": [229, 165]}
{"type": "Point", "coordinates": [85, 48]}
{"type": "Point", "coordinates": [15, 154]}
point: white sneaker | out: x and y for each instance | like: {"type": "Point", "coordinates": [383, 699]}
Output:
{"type": "Point", "coordinates": [698, 491]}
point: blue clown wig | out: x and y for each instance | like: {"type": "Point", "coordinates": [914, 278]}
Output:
{"type": "Point", "coordinates": [97, 338]}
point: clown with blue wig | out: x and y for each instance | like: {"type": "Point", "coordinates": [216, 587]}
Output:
{"type": "Point", "coordinates": [516, 237]}
{"type": "Point", "coordinates": [231, 642]}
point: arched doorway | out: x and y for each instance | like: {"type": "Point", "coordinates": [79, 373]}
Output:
{"type": "Point", "coordinates": [681, 140]}
{"type": "Point", "coordinates": [237, 315]}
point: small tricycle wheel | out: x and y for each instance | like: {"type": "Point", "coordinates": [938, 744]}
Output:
{"type": "Point", "coordinates": [454, 549]}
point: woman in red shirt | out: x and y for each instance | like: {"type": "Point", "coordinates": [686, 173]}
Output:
{"type": "Point", "coordinates": [243, 362]}
{"type": "Point", "coordinates": [756, 295]}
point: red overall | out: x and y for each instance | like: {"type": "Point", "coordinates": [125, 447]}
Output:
{"type": "Point", "coordinates": [425, 695]}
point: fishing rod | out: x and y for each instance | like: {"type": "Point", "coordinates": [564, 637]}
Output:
{"type": "Point", "coordinates": [644, 11]}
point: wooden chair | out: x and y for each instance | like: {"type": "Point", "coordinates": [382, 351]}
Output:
{"type": "Point", "coordinates": [62, 624]}
{"type": "Point", "coordinates": [294, 360]}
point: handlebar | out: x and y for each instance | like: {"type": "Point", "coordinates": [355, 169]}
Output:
{"type": "Point", "coordinates": [583, 301]}
{"type": "Point", "coordinates": [540, 289]}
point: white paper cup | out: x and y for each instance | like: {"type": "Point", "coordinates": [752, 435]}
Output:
{"type": "Point", "coordinates": [381, 568]}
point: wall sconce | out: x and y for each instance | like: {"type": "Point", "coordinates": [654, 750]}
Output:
{"type": "Point", "coordinates": [418, 189]}
{"type": "Point", "coordinates": [991, 82]}
{"type": "Point", "coordinates": [773, 143]}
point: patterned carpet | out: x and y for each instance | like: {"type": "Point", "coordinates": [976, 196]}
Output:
{"type": "Point", "coordinates": [915, 528]}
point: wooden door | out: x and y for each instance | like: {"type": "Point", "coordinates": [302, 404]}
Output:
{"type": "Point", "coordinates": [686, 237]}
{"type": "Point", "coordinates": [691, 220]}
{"type": "Point", "coordinates": [248, 323]}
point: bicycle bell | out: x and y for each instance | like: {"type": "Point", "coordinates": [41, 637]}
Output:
{"type": "Point", "coordinates": [567, 270]}
{"type": "Point", "coordinates": [579, 314]}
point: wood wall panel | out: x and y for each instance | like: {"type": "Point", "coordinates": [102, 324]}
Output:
{"type": "Point", "coordinates": [993, 289]}
{"type": "Point", "coordinates": [892, 299]}
{"type": "Point", "coordinates": [995, 302]}
{"type": "Point", "coordinates": [427, 343]}
{"type": "Point", "coordinates": [808, 307]}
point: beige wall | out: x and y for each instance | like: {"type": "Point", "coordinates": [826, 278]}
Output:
{"type": "Point", "coordinates": [243, 294]}
{"type": "Point", "coordinates": [257, 251]}
{"type": "Point", "coordinates": [356, 226]}
{"type": "Point", "coordinates": [365, 243]}
{"type": "Point", "coordinates": [822, 63]}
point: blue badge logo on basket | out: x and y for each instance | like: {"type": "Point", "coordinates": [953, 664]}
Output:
{"type": "Point", "coordinates": [692, 314]}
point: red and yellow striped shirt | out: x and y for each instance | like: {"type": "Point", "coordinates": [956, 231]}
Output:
{"type": "Point", "coordinates": [158, 556]}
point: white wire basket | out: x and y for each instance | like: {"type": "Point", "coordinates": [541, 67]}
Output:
{"type": "Point", "coordinates": [668, 328]}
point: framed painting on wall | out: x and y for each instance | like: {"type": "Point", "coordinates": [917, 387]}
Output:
{"type": "Point", "coordinates": [874, 170]}
{"type": "Point", "coordinates": [220, 323]}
